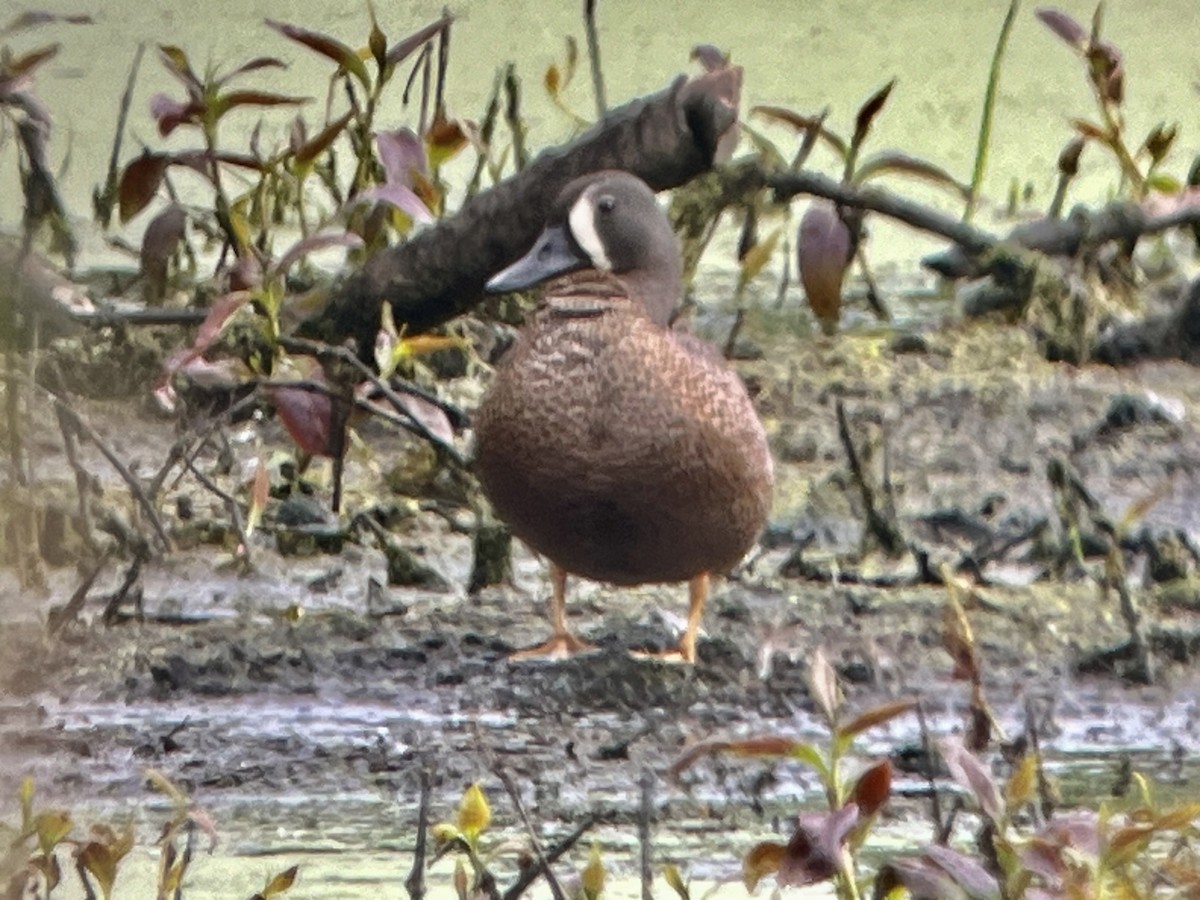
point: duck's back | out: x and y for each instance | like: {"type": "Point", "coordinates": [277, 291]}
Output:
{"type": "Point", "coordinates": [621, 450]}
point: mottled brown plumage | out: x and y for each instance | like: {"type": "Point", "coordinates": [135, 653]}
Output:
{"type": "Point", "coordinates": [623, 450]}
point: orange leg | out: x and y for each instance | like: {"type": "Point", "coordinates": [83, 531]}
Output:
{"type": "Point", "coordinates": [561, 643]}
{"type": "Point", "coordinates": [686, 651]}
{"type": "Point", "coordinates": [697, 594]}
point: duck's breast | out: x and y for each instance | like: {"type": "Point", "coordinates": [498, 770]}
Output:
{"type": "Point", "coordinates": [623, 452]}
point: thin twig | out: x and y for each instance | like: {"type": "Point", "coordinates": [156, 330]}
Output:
{"type": "Point", "coordinates": [109, 616]}
{"type": "Point", "coordinates": [1045, 794]}
{"type": "Point", "coordinates": [131, 480]}
{"type": "Point", "coordinates": [512, 114]}
{"type": "Point", "coordinates": [190, 444]}
{"type": "Point", "coordinates": [515, 796]}
{"type": "Point", "coordinates": [645, 824]}
{"type": "Point", "coordinates": [885, 531]}
{"type": "Point", "coordinates": [103, 201]}
{"type": "Point", "coordinates": [342, 354]}
{"type": "Point", "coordinates": [593, 42]}
{"type": "Point", "coordinates": [531, 874]}
{"type": "Point", "coordinates": [83, 478]}
{"type": "Point", "coordinates": [71, 609]}
{"type": "Point", "coordinates": [415, 883]}
{"type": "Point", "coordinates": [927, 752]}
{"type": "Point", "coordinates": [235, 509]}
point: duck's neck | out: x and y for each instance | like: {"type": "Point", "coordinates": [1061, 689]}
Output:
{"type": "Point", "coordinates": [656, 290]}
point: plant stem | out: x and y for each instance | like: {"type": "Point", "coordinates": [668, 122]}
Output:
{"type": "Point", "coordinates": [989, 108]}
{"type": "Point", "coordinates": [593, 41]}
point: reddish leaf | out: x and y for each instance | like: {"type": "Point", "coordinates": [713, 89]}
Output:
{"type": "Point", "coordinates": [159, 242]}
{"type": "Point", "coordinates": [868, 111]}
{"type": "Point", "coordinates": [873, 788]}
{"type": "Point", "coordinates": [139, 183]}
{"type": "Point", "coordinates": [769, 745]}
{"type": "Point", "coordinates": [823, 686]}
{"type": "Point", "coordinates": [710, 57]}
{"type": "Point", "coordinates": [892, 161]}
{"type": "Point", "coordinates": [218, 315]}
{"type": "Point", "coordinates": [234, 99]}
{"type": "Point", "coordinates": [312, 244]}
{"type": "Point", "coordinates": [200, 161]}
{"type": "Point", "coordinates": [1063, 25]}
{"type": "Point", "coordinates": [760, 861]}
{"type": "Point", "coordinates": [966, 769]}
{"type": "Point", "coordinates": [176, 62]}
{"type": "Point", "coordinates": [399, 196]}
{"type": "Point", "coordinates": [298, 134]}
{"type": "Point", "coordinates": [1108, 68]}
{"type": "Point", "coordinates": [36, 18]}
{"type": "Point", "coordinates": [329, 47]}
{"type": "Point", "coordinates": [919, 877]}
{"type": "Point", "coordinates": [1076, 831]}
{"type": "Point", "coordinates": [171, 113]}
{"type": "Point", "coordinates": [307, 151]}
{"type": "Point", "coordinates": [876, 716]}
{"type": "Point", "coordinates": [966, 872]}
{"type": "Point", "coordinates": [407, 46]}
{"type": "Point", "coordinates": [307, 416]}
{"type": "Point", "coordinates": [260, 493]}
{"type": "Point", "coordinates": [400, 153]}
{"type": "Point", "coordinates": [824, 248]}
{"type": "Point", "coordinates": [445, 138]}
{"type": "Point", "coordinates": [27, 63]}
{"type": "Point", "coordinates": [1090, 131]}
{"type": "Point", "coordinates": [959, 641]}
{"type": "Point", "coordinates": [254, 65]}
{"type": "Point", "coordinates": [430, 415]}
{"type": "Point", "coordinates": [803, 124]}
{"type": "Point", "coordinates": [377, 40]}
{"type": "Point", "coordinates": [815, 849]}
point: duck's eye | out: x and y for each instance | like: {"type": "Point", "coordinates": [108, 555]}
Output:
{"type": "Point", "coordinates": [606, 204]}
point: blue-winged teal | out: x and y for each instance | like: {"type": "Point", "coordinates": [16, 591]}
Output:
{"type": "Point", "coordinates": [618, 447]}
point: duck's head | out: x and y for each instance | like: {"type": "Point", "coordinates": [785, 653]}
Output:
{"type": "Point", "coordinates": [611, 222]}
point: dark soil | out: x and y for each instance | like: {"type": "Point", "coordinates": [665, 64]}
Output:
{"type": "Point", "coordinates": [305, 675]}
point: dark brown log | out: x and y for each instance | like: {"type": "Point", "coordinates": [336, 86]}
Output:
{"type": "Point", "coordinates": [665, 139]}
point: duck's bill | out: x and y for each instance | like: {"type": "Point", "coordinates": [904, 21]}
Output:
{"type": "Point", "coordinates": [552, 254]}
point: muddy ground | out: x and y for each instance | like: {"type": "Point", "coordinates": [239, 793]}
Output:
{"type": "Point", "coordinates": [310, 677]}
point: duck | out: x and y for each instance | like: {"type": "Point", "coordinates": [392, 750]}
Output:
{"type": "Point", "coordinates": [613, 442]}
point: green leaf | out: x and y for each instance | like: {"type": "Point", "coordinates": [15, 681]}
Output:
{"type": "Point", "coordinates": [1164, 183]}
{"type": "Point", "coordinates": [808, 753]}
